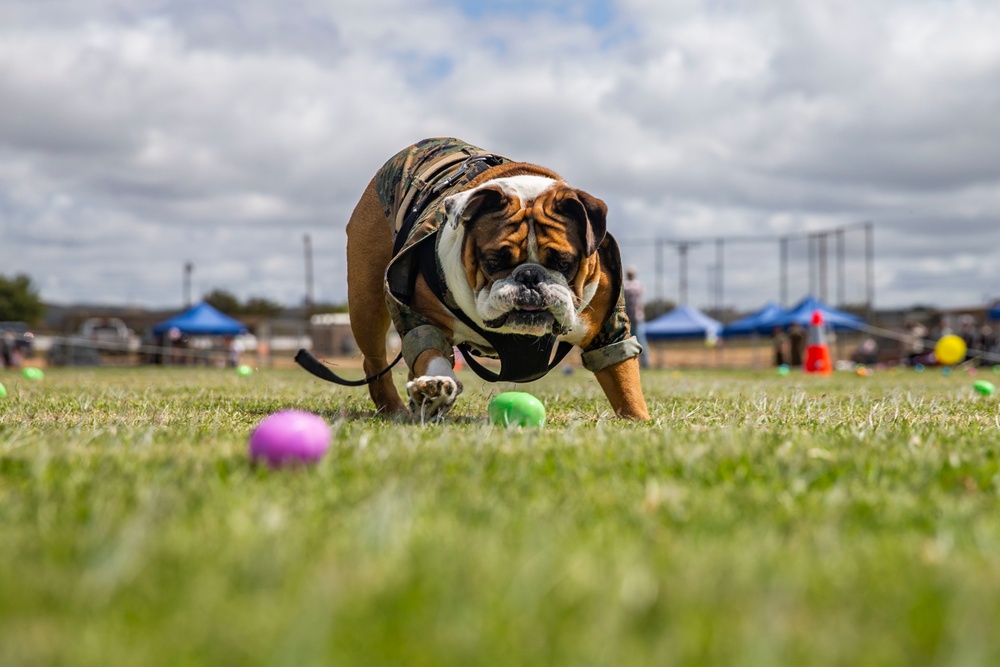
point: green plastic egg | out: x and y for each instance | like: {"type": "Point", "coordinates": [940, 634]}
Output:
{"type": "Point", "coordinates": [3, 390]}
{"type": "Point", "coordinates": [244, 370]}
{"type": "Point", "coordinates": [32, 373]}
{"type": "Point", "coordinates": [983, 387]}
{"type": "Point", "coordinates": [517, 408]}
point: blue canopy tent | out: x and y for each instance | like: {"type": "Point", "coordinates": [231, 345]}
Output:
{"type": "Point", "coordinates": [201, 320]}
{"type": "Point", "coordinates": [759, 322]}
{"type": "Point", "coordinates": [994, 312]}
{"type": "Point", "coordinates": [802, 312]}
{"type": "Point", "coordinates": [682, 322]}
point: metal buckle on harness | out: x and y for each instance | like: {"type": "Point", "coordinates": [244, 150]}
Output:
{"type": "Point", "coordinates": [490, 159]}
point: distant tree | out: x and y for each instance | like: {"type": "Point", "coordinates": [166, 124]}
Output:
{"type": "Point", "coordinates": [859, 309]}
{"type": "Point", "coordinates": [223, 301]}
{"type": "Point", "coordinates": [256, 305]}
{"type": "Point", "coordinates": [19, 300]}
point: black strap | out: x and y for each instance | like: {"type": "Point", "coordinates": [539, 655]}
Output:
{"type": "Point", "coordinates": [307, 361]}
{"type": "Point", "coordinates": [514, 367]}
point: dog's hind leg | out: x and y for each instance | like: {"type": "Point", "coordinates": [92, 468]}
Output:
{"type": "Point", "coordinates": [369, 249]}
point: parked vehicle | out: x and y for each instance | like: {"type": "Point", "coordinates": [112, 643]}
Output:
{"type": "Point", "coordinates": [19, 335]}
{"type": "Point", "coordinates": [109, 335]}
{"type": "Point", "coordinates": [97, 337]}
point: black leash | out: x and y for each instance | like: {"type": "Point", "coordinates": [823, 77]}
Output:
{"type": "Point", "coordinates": [306, 360]}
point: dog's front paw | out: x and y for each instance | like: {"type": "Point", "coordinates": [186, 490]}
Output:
{"type": "Point", "coordinates": [431, 396]}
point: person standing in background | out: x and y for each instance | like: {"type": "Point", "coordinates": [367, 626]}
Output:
{"type": "Point", "coordinates": [5, 351]}
{"type": "Point", "coordinates": [234, 348]}
{"type": "Point", "coordinates": [635, 308]}
{"type": "Point", "coordinates": [778, 341]}
{"type": "Point", "coordinates": [796, 344]}
{"type": "Point", "coordinates": [916, 334]}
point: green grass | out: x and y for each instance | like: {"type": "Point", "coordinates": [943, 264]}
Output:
{"type": "Point", "coordinates": [758, 520]}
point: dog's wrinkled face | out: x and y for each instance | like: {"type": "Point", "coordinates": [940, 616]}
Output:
{"type": "Point", "coordinates": [526, 249]}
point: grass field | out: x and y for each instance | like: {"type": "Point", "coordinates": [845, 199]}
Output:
{"type": "Point", "coordinates": [758, 520]}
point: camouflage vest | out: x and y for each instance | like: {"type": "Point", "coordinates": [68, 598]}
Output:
{"type": "Point", "coordinates": [411, 187]}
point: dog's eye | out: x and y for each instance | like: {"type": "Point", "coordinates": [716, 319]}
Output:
{"type": "Point", "coordinates": [495, 261]}
{"type": "Point", "coordinates": [563, 263]}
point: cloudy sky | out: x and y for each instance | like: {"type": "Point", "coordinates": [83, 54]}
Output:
{"type": "Point", "coordinates": [137, 135]}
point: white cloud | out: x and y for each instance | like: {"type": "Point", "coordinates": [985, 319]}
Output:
{"type": "Point", "coordinates": [139, 136]}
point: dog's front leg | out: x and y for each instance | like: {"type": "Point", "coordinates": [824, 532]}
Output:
{"type": "Point", "coordinates": [621, 385]}
{"type": "Point", "coordinates": [433, 386]}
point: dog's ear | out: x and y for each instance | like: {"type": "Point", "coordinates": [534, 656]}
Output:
{"type": "Point", "coordinates": [589, 212]}
{"type": "Point", "coordinates": [465, 206]}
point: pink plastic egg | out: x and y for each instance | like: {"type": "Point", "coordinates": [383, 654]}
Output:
{"type": "Point", "coordinates": [290, 437]}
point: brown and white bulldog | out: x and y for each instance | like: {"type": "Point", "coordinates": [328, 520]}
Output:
{"type": "Point", "coordinates": [457, 246]}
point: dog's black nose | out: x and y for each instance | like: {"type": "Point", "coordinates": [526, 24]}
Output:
{"type": "Point", "coordinates": [529, 275]}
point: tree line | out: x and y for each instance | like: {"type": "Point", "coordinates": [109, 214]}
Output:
{"type": "Point", "coordinates": [19, 300]}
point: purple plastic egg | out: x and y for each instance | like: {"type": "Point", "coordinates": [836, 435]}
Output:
{"type": "Point", "coordinates": [290, 437]}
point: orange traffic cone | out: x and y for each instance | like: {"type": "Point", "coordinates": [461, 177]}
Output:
{"type": "Point", "coordinates": [817, 351]}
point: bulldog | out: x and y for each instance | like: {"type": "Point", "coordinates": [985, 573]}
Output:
{"type": "Point", "coordinates": [460, 247]}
